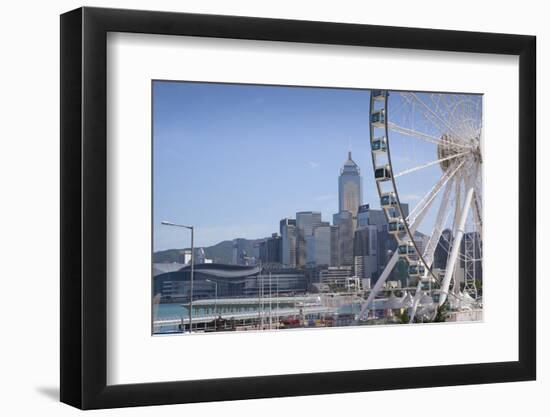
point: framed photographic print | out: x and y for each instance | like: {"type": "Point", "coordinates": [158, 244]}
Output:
{"type": "Point", "coordinates": [258, 207]}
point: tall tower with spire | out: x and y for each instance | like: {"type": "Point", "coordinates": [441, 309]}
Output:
{"type": "Point", "coordinates": [350, 187]}
{"type": "Point", "coordinates": [350, 197]}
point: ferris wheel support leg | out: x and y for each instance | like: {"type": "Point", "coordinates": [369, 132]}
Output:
{"type": "Point", "coordinates": [416, 300]}
{"type": "Point", "coordinates": [456, 247]}
{"type": "Point", "coordinates": [379, 283]}
{"type": "Point", "coordinates": [438, 227]}
{"type": "Point", "coordinates": [430, 248]}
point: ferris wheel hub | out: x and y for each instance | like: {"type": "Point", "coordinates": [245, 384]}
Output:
{"type": "Point", "coordinates": [447, 150]}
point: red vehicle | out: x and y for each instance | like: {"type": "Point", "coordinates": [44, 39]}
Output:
{"type": "Point", "coordinates": [290, 322]}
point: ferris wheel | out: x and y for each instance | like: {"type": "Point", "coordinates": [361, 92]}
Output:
{"type": "Point", "coordinates": [426, 153]}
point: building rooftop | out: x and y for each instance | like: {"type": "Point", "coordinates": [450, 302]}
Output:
{"type": "Point", "coordinates": [226, 271]}
{"type": "Point", "coordinates": [350, 167]}
{"type": "Point", "coordinates": [164, 267]}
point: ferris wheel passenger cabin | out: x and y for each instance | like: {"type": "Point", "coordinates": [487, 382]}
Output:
{"type": "Point", "coordinates": [382, 173]}
{"type": "Point", "coordinates": [378, 119]}
{"type": "Point", "coordinates": [416, 269]}
{"type": "Point", "coordinates": [379, 145]}
{"type": "Point", "coordinates": [406, 250]}
{"type": "Point", "coordinates": [388, 200]}
{"type": "Point", "coordinates": [379, 95]}
{"type": "Point", "coordinates": [396, 226]}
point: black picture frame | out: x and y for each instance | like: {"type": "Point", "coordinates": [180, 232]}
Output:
{"type": "Point", "coordinates": [84, 207]}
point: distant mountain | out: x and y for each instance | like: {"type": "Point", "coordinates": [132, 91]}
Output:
{"type": "Point", "coordinates": [220, 253]}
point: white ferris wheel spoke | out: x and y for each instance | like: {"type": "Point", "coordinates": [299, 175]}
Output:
{"type": "Point", "coordinates": [423, 136]}
{"type": "Point", "coordinates": [456, 111]}
{"type": "Point", "coordinates": [416, 215]}
{"type": "Point", "coordinates": [429, 164]}
{"type": "Point", "coordinates": [435, 118]}
{"type": "Point", "coordinates": [451, 112]}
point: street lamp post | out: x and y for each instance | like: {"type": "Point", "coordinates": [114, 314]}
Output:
{"type": "Point", "coordinates": [260, 298]}
{"type": "Point", "coordinates": [259, 281]}
{"type": "Point", "coordinates": [192, 268]}
{"type": "Point", "coordinates": [270, 304]}
{"type": "Point", "coordinates": [215, 295]}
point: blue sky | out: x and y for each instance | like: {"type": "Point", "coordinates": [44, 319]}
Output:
{"type": "Point", "coordinates": [233, 160]}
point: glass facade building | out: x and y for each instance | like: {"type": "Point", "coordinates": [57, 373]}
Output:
{"type": "Point", "coordinates": [232, 281]}
{"type": "Point", "coordinates": [306, 221]}
{"type": "Point", "coordinates": [287, 229]}
{"type": "Point", "coordinates": [365, 251]}
{"type": "Point", "coordinates": [363, 216]}
{"type": "Point", "coordinates": [270, 250]}
{"type": "Point", "coordinates": [318, 246]}
{"type": "Point", "coordinates": [350, 188]}
{"type": "Point", "coordinates": [344, 221]}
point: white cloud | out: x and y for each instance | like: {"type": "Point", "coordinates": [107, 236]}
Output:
{"type": "Point", "coordinates": [314, 164]}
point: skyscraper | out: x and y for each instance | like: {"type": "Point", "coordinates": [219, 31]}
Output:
{"type": "Point", "coordinates": [270, 249]}
{"type": "Point", "coordinates": [363, 216]}
{"type": "Point", "coordinates": [350, 197]}
{"type": "Point", "coordinates": [381, 243]}
{"type": "Point", "coordinates": [350, 188]}
{"type": "Point", "coordinates": [306, 221]}
{"type": "Point", "coordinates": [365, 252]}
{"type": "Point", "coordinates": [443, 249]}
{"type": "Point", "coordinates": [318, 245]}
{"type": "Point", "coordinates": [239, 252]}
{"type": "Point", "coordinates": [334, 246]}
{"type": "Point", "coordinates": [287, 228]}
{"type": "Point", "coordinates": [344, 221]}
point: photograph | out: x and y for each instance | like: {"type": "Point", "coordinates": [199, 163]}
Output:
{"type": "Point", "coordinates": [292, 207]}
{"type": "Point", "coordinates": [265, 209]}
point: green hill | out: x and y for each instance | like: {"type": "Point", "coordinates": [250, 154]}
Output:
{"type": "Point", "coordinates": [219, 253]}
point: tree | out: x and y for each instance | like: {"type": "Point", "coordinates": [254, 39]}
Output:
{"type": "Point", "coordinates": [479, 286]}
{"type": "Point", "coordinates": [441, 314]}
{"type": "Point", "coordinates": [404, 317]}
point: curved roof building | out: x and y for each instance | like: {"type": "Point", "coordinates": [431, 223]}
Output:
{"type": "Point", "coordinates": [227, 281]}
{"type": "Point", "coordinates": [223, 270]}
